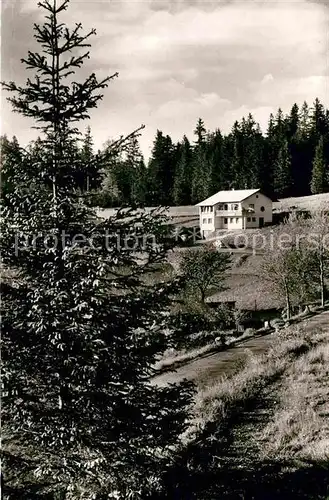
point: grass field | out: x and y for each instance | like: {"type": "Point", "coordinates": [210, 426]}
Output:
{"type": "Point", "coordinates": [302, 203]}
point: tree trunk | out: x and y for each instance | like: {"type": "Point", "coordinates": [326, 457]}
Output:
{"type": "Point", "coordinates": [54, 192]}
{"type": "Point", "coordinates": [288, 304]}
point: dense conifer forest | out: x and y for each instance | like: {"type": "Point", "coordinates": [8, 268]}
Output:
{"type": "Point", "coordinates": [290, 159]}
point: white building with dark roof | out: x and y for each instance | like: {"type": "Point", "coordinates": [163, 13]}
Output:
{"type": "Point", "coordinates": [235, 209]}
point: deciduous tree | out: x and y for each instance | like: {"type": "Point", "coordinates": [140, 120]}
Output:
{"type": "Point", "coordinates": [205, 269]}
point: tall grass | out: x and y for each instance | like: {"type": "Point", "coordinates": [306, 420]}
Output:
{"type": "Point", "coordinates": [227, 396]}
{"type": "Point", "coordinates": [301, 424]}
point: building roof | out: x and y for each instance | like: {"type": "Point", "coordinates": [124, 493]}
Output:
{"type": "Point", "coordinates": [233, 196]}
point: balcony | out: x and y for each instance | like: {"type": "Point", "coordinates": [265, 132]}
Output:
{"type": "Point", "coordinates": [228, 213]}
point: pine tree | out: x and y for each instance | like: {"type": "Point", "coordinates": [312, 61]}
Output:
{"type": "Point", "coordinates": [11, 154]}
{"type": "Point", "coordinates": [92, 175]}
{"type": "Point", "coordinates": [304, 128]}
{"type": "Point", "coordinates": [182, 181]}
{"type": "Point", "coordinates": [327, 122]}
{"type": "Point", "coordinates": [121, 174]}
{"type": "Point", "coordinates": [201, 178]}
{"type": "Point", "coordinates": [237, 160]}
{"type": "Point", "coordinates": [278, 156]}
{"type": "Point", "coordinates": [161, 170]}
{"type": "Point", "coordinates": [80, 330]}
{"type": "Point", "coordinates": [252, 154]}
{"type": "Point", "coordinates": [318, 120]}
{"type": "Point", "coordinates": [282, 171]}
{"type": "Point", "coordinates": [293, 122]}
{"type": "Point", "coordinates": [139, 188]}
{"type": "Point", "coordinates": [270, 155]}
{"type": "Point", "coordinates": [131, 175]}
{"type": "Point", "coordinates": [227, 175]}
{"type": "Point", "coordinates": [280, 125]}
{"type": "Point", "coordinates": [218, 165]}
{"type": "Point", "coordinates": [258, 172]}
{"type": "Point", "coordinates": [303, 153]}
{"type": "Point", "coordinates": [123, 169]}
{"type": "Point", "coordinates": [200, 132]}
{"type": "Point", "coordinates": [108, 195]}
{"type": "Point", "coordinates": [320, 173]}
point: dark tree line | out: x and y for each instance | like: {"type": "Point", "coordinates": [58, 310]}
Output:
{"type": "Point", "coordinates": [290, 159]}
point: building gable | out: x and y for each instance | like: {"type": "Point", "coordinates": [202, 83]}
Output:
{"type": "Point", "coordinates": [232, 196]}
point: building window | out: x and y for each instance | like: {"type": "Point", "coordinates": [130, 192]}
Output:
{"type": "Point", "coordinates": [237, 220]}
{"type": "Point", "coordinates": [254, 219]}
{"type": "Point", "coordinates": [262, 209]}
{"type": "Point", "coordinates": [204, 221]}
{"type": "Point", "coordinates": [209, 221]}
{"type": "Point", "coordinates": [256, 195]}
{"type": "Point", "coordinates": [231, 220]}
{"type": "Point", "coordinates": [251, 205]}
{"type": "Point", "coordinates": [236, 207]}
{"type": "Point", "coordinates": [248, 219]}
{"type": "Point", "coordinates": [225, 220]}
{"type": "Point", "coordinates": [225, 207]}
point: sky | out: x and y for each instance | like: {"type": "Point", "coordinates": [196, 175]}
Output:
{"type": "Point", "coordinates": [179, 60]}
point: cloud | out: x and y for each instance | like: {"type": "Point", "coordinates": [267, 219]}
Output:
{"type": "Point", "coordinates": [184, 59]}
{"type": "Point", "coordinates": [190, 104]}
{"type": "Point", "coordinates": [267, 78]}
{"type": "Point", "coordinates": [285, 91]}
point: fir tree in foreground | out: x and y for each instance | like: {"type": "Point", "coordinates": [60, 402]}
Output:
{"type": "Point", "coordinates": [80, 331]}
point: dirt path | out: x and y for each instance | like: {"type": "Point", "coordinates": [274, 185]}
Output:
{"type": "Point", "coordinates": [226, 461]}
{"type": "Point", "coordinates": [212, 367]}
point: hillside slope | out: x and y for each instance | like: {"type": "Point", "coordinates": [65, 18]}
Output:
{"type": "Point", "coordinates": [263, 434]}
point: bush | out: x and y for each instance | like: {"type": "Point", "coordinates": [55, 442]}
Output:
{"type": "Point", "coordinates": [185, 325]}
